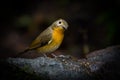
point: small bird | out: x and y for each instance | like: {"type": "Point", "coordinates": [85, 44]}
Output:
{"type": "Point", "coordinates": [50, 39]}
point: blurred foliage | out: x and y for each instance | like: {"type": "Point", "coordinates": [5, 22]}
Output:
{"type": "Point", "coordinates": [23, 21]}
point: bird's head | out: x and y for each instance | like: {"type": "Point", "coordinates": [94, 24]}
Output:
{"type": "Point", "coordinates": [60, 23]}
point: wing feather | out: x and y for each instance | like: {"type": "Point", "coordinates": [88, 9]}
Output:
{"type": "Point", "coordinates": [42, 39]}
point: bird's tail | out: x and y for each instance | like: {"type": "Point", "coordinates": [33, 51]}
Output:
{"type": "Point", "coordinates": [21, 53]}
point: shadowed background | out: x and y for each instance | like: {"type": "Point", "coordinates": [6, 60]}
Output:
{"type": "Point", "coordinates": [92, 24]}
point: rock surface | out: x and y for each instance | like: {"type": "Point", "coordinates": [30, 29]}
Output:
{"type": "Point", "coordinates": [99, 65]}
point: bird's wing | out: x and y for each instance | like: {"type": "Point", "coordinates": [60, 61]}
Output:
{"type": "Point", "coordinates": [43, 39]}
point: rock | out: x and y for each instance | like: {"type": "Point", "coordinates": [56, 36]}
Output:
{"type": "Point", "coordinates": [98, 65]}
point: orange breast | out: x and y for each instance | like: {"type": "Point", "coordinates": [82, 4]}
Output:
{"type": "Point", "coordinates": [57, 38]}
{"type": "Point", "coordinates": [58, 34]}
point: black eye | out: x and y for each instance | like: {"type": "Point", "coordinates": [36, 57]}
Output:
{"type": "Point", "coordinates": [60, 22]}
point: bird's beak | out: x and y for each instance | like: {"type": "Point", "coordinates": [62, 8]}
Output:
{"type": "Point", "coordinates": [64, 27]}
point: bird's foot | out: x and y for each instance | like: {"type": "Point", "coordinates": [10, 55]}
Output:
{"type": "Point", "coordinates": [45, 55]}
{"type": "Point", "coordinates": [54, 55]}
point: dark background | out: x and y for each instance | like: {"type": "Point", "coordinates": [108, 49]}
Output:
{"type": "Point", "coordinates": [93, 24]}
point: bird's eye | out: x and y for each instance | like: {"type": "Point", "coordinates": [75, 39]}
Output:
{"type": "Point", "coordinates": [59, 22]}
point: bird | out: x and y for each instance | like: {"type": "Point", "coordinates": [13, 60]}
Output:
{"type": "Point", "coordinates": [50, 39]}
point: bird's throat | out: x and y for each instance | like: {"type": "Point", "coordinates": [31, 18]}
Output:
{"type": "Point", "coordinates": [58, 34]}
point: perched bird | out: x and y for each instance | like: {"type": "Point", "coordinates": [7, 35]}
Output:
{"type": "Point", "coordinates": [50, 39]}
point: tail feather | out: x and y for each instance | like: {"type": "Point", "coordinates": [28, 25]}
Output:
{"type": "Point", "coordinates": [21, 53]}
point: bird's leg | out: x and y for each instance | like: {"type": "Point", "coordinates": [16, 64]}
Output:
{"type": "Point", "coordinates": [53, 55]}
{"type": "Point", "coordinates": [44, 55]}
